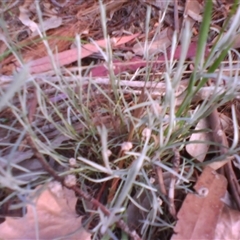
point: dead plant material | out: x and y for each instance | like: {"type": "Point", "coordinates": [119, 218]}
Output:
{"type": "Point", "coordinates": [199, 214]}
{"type": "Point", "coordinates": [69, 56]}
{"type": "Point", "coordinates": [137, 114]}
{"type": "Point", "coordinates": [233, 183]}
{"type": "Point", "coordinates": [136, 62]}
{"type": "Point", "coordinates": [83, 20]}
{"type": "Point", "coordinates": [159, 174]}
{"type": "Point", "coordinates": [59, 41]}
{"type": "Point", "coordinates": [199, 150]}
{"type": "Point", "coordinates": [52, 210]}
{"type": "Point", "coordinates": [171, 191]}
{"type": "Point", "coordinates": [220, 138]}
{"type": "Point", "coordinates": [217, 131]}
{"type": "Point", "coordinates": [228, 225]}
{"type": "Point", "coordinates": [32, 107]}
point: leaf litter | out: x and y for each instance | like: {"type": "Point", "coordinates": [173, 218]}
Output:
{"type": "Point", "coordinates": [199, 214]}
{"type": "Point", "coordinates": [59, 124]}
{"type": "Point", "coordinates": [50, 214]}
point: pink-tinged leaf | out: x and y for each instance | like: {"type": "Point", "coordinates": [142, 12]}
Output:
{"type": "Point", "coordinates": [228, 226]}
{"type": "Point", "coordinates": [69, 56]}
{"type": "Point", "coordinates": [160, 43]}
{"type": "Point", "coordinates": [119, 66]}
{"type": "Point", "coordinates": [200, 211]}
{"type": "Point", "coordinates": [137, 62]}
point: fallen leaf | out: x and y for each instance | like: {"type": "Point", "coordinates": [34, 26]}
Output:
{"type": "Point", "coordinates": [193, 10]}
{"type": "Point", "coordinates": [137, 62]}
{"type": "Point", "coordinates": [52, 213]}
{"type": "Point", "coordinates": [50, 23]}
{"type": "Point", "coordinates": [24, 18]}
{"type": "Point", "coordinates": [219, 137]}
{"type": "Point", "coordinates": [226, 122]}
{"type": "Point", "coordinates": [69, 56]}
{"type": "Point", "coordinates": [228, 226]}
{"type": "Point", "coordinates": [199, 214]}
{"type": "Point", "coordinates": [200, 147]}
{"type": "Point", "coordinates": [161, 43]}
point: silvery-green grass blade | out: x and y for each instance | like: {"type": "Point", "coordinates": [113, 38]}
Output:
{"type": "Point", "coordinates": [17, 83]}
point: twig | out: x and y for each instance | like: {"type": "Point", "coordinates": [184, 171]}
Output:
{"type": "Point", "coordinates": [220, 138]}
{"type": "Point", "coordinates": [159, 173]}
{"type": "Point", "coordinates": [120, 223]}
{"type": "Point", "coordinates": [171, 192]}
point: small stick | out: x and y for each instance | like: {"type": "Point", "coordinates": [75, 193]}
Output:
{"type": "Point", "coordinates": [120, 223]}
{"type": "Point", "coordinates": [171, 192]}
{"type": "Point", "coordinates": [159, 173]}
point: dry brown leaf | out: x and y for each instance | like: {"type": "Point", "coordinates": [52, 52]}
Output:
{"type": "Point", "coordinates": [199, 150]}
{"type": "Point", "coordinates": [50, 23]}
{"type": "Point", "coordinates": [193, 10]}
{"type": "Point", "coordinates": [228, 226]}
{"type": "Point", "coordinates": [160, 4]}
{"type": "Point", "coordinates": [199, 214]}
{"type": "Point", "coordinates": [219, 137]}
{"type": "Point", "coordinates": [69, 56]}
{"type": "Point", "coordinates": [53, 213]}
{"type": "Point", "coordinates": [160, 44]}
{"type": "Point", "coordinates": [113, 6]}
{"type": "Point", "coordinates": [226, 122]}
{"type": "Point", "coordinates": [236, 43]}
{"type": "Point", "coordinates": [24, 18]}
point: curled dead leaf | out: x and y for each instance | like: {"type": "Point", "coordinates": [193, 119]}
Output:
{"type": "Point", "coordinates": [199, 148]}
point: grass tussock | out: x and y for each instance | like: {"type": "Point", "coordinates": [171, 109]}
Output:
{"type": "Point", "coordinates": [116, 133]}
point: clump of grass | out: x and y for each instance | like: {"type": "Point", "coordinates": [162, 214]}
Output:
{"type": "Point", "coordinates": [80, 117]}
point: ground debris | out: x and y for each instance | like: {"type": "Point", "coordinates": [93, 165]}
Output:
{"type": "Point", "coordinates": [199, 214]}
{"type": "Point", "coordinates": [50, 215]}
